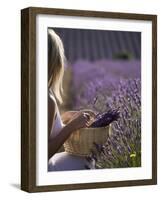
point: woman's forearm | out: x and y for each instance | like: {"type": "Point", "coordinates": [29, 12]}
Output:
{"type": "Point", "coordinates": [79, 120]}
{"type": "Point", "coordinates": [67, 116]}
{"type": "Point", "coordinates": [55, 143]}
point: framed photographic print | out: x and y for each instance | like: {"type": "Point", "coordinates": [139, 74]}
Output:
{"type": "Point", "coordinates": [88, 99]}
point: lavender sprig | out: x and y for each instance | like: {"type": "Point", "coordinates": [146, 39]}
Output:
{"type": "Point", "coordinates": [106, 118]}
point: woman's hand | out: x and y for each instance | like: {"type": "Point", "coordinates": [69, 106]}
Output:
{"type": "Point", "coordinates": [71, 115]}
{"type": "Point", "coordinates": [80, 120]}
{"type": "Point", "coordinates": [83, 118]}
{"type": "Point", "coordinates": [90, 112]}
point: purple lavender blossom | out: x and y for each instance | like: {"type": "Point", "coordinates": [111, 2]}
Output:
{"type": "Point", "coordinates": [106, 118]}
{"type": "Point", "coordinates": [107, 85]}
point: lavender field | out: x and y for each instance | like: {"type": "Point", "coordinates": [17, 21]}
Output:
{"type": "Point", "coordinates": [104, 74]}
{"type": "Point", "coordinates": [107, 84]}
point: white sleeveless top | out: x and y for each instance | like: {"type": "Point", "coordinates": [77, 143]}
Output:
{"type": "Point", "coordinates": [57, 124]}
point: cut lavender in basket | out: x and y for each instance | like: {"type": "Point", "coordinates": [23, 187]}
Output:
{"type": "Point", "coordinates": [106, 118]}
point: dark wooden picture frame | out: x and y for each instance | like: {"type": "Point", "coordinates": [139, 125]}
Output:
{"type": "Point", "coordinates": [28, 98]}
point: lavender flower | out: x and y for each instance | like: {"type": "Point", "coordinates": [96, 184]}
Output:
{"type": "Point", "coordinates": [106, 118]}
{"type": "Point", "coordinates": [104, 86]}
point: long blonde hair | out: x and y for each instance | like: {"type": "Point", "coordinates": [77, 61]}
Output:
{"type": "Point", "coordinates": [56, 59]}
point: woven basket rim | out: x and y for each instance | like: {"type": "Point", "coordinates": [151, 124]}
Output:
{"type": "Point", "coordinates": [91, 128]}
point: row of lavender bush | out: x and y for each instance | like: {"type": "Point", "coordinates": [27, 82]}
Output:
{"type": "Point", "coordinates": [109, 85]}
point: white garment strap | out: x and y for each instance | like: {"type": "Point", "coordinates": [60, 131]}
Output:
{"type": "Point", "coordinates": [53, 97]}
{"type": "Point", "coordinates": [57, 122]}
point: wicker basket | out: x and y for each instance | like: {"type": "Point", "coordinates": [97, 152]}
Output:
{"type": "Point", "coordinates": [81, 141]}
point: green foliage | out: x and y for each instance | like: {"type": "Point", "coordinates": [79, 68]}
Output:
{"type": "Point", "coordinates": [124, 55]}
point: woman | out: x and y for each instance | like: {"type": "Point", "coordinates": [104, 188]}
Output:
{"type": "Point", "coordinates": [58, 131]}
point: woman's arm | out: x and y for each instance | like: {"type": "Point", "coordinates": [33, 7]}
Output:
{"type": "Point", "coordinates": [67, 116]}
{"type": "Point", "coordinates": [79, 121]}
{"type": "Point", "coordinates": [55, 143]}
{"type": "Point", "coordinates": [75, 120]}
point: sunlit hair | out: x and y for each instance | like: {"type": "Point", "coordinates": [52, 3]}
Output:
{"type": "Point", "coordinates": [56, 60]}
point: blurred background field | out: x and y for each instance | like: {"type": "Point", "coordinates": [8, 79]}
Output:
{"type": "Point", "coordinates": [103, 71]}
